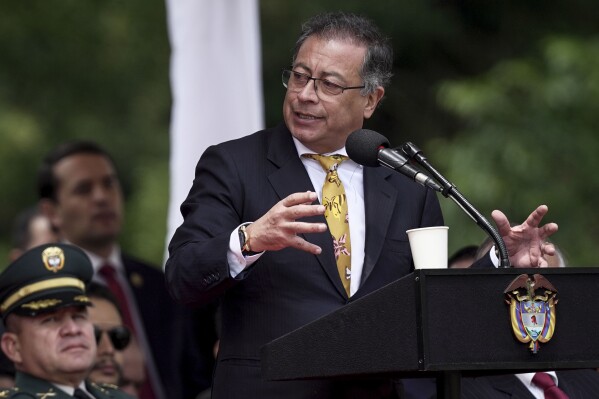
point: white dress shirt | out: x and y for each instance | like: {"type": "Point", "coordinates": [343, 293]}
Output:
{"type": "Point", "coordinates": [352, 176]}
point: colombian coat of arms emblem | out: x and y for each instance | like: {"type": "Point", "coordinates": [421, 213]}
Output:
{"type": "Point", "coordinates": [532, 301]}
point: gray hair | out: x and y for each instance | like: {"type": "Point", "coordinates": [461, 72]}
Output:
{"type": "Point", "coordinates": [378, 60]}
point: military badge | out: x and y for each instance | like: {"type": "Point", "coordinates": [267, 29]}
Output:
{"type": "Point", "coordinates": [53, 258]}
{"type": "Point", "coordinates": [532, 303]}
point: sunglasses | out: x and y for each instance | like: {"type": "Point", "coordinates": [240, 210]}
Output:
{"type": "Point", "coordinates": [119, 336]}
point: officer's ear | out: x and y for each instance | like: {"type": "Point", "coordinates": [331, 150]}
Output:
{"type": "Point", "coordinates": [11, 346]}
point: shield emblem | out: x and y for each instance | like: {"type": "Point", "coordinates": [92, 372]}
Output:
{"type": "Point", "coordinates": [532, 309]}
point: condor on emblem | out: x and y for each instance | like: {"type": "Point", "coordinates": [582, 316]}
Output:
{"type": "Point", "coordinates": [532, 303]}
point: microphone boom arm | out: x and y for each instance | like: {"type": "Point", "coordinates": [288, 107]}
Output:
{"type": "Point", "coordinates": [451, 191]}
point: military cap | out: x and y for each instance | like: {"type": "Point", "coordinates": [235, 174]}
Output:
{"type": "Point", "coordinates": [44, 279]}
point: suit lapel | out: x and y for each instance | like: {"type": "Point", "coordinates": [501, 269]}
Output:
{"type": "Point", "coordinates": [291, 177]}
{"type": "Point", "coordinates": [380, 200]}
{"type": "Point", "coordinates": [511, 385]}
{"type": "Point", "coordinates": [576, 389]}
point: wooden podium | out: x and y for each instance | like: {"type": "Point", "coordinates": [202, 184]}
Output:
{"type": "Point", "coordinates": [443, 324]}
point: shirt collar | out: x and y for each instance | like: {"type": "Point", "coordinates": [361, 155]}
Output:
{"type": "Point", "coordinates": [97, 261]}
{"type": "Point", "coordinates": [70, 390]}
{"type": "Point", "coordinates": [302, 149]}
{"type": "Point", "coordinates": [114, 259]}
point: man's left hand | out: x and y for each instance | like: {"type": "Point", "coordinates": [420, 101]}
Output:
{"type": "Point", "coordinates": [526, 243]}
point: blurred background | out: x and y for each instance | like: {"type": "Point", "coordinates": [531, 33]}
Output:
{"type": "Point", "coordinates": [502, 96]}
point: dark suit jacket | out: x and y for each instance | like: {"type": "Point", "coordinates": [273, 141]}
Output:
{"type": "Point", "coordinates": [239, 181]}
{"type": "Point", "coordinates": [578, 384]}
{"type": "Point", "coordinates": [175, 338]}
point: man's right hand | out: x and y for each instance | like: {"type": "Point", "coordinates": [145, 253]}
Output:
{"type": "Point", "coordinates": [279, 227]}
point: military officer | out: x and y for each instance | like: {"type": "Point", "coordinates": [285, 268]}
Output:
{"type": "Point", "coordinates": [48, 335]}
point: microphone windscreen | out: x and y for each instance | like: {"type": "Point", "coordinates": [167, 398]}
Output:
{"type": "Point", "coordinates": [363, 146]}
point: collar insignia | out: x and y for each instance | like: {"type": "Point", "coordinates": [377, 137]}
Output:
{"type": "Point", "coordinates": [46, 395]}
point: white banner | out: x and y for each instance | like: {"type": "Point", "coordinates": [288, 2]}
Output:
{"type": "Point", "coordinates": [216, 84]}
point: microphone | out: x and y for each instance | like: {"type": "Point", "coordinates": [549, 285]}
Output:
{"type": "Point", "coordinates": [451, 191]}
{"type": "Point", "coordinates": [369, 148]}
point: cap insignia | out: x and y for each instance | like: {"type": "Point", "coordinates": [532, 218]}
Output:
{"type": "Point", "coordinates": [53, 258]}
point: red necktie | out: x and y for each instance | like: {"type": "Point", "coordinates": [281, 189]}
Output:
{"type": "Point", "coordinates": [545, 382]}
{"type": "Point", "coordinates": [108, 272]}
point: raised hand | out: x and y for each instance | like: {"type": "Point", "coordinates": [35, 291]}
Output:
{"type": "Point", "coordinates": [527, 243]}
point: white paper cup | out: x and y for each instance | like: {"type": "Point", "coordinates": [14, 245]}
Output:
{"type": "Point", "coordinates": [429, 247]}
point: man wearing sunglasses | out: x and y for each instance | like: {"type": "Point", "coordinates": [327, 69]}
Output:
{"type": "Point", "coordinates": [112, 338]}
{"type": "Point", "coordinates": [49, 336]}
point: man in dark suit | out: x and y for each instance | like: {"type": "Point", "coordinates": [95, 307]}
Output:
{"type": "Point", "coordinates": [49, 336]}
{"type": "Point", "coordinates": [577, 384]}
{"type": "Point", "coordinates": [254, 235]}
{"type": "Point", "coordinates": [80, 192]}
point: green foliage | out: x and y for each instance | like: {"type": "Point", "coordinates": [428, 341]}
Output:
{"type": "Point", "coordinates": [531, 138]}
{"type": "Point", "coordinates": [100, 70]}
{"type": "Point", "coordinates": [146, 212]}
{"type": "Point", "coordinates": [86, 70]}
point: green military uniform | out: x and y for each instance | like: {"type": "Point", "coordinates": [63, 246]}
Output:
{"type": "Point", "coordinates": [27, 386]}
{"type": "Point", "coordinates": [44, 279]}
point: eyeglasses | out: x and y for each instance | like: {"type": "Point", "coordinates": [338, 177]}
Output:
{"type": "Point", "coordinates": [119, 336]}
{"type": "Point", "coordinates": [296, 81]}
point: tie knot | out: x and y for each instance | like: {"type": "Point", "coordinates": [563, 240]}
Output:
{"type": "Point", "coordinates": [546, 383]}
{"type": "Point", "coordinates": [543, 380]}
{"type": "Point", "coordinates": [107, 270]}
{"type": "Point", "coordinates": [328, 162]}
{"type": "Point", "coordinates": [79, 394]}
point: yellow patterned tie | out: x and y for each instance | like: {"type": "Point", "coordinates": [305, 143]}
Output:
{"type": "Point", "coordinates": [336, 214]}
